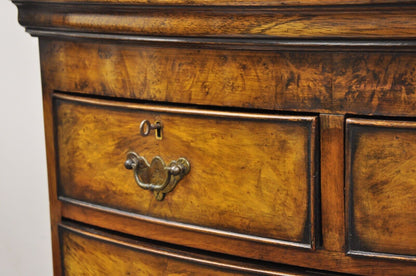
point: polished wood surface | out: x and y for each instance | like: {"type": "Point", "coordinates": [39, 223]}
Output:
{"type": "Point", "coordinates": [382, 186]}
{"type": "Point", "coordinates": [360, 83]}
{"type": "Point", "coordinates": [250, 173]}
{"type": "Point", "coordinates": [215, 241]}
{"type": "Point", "coordinates": [300, 23]}
{"type": "Point", "coordinates": [55, 206]}
{"type": "Point", "coordinates": [297, 117]}
{"type": "Point", "coordinates": [88, 251]}
{"type": "Point", "coordinates": [332, 184]}
{"type": "Point", "coordinates": [231, 3]}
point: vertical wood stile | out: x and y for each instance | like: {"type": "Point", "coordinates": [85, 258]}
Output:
{"type": "Point", "coordinates": [332, 182]}
{"type": "Point", "coordinates": [54, 203]}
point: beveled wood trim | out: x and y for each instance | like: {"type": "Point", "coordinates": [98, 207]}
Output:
{"type": "Point", "coordinates": [184, 110]}
{"type": "Point", "coordinates": [321, 45]}
{"type": "Point", "coordinates": [363, 22]}
{"type": "Point", "coordinates": [184, 226]}
{"type": "Point", "coordinates": [381, 123]}
{"type": "Point", "coordinates": [350, 124]}
{"type": "Point", "coordinates": [348, 173]}
{"type": "Point", "coordinates": [379, 255]}
{"type": "Point", "coordinates": [314, 179]}
{"type": "Point", "coordinates": [282, 3]}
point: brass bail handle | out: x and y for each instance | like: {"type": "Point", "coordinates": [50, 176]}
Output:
{"type": "Point", "coordinates": [156, 176]}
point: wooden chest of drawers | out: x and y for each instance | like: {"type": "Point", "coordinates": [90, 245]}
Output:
{"type": "Point", "coordinates": [217, 137]}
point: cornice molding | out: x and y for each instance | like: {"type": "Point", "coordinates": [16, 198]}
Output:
{"type": "Point", "coordinates": [330, 27]}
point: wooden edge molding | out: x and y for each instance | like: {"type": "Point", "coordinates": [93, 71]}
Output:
{"type": "Point", "coordinates": [379, 255]}
{"type": "Point", "coordinates": [314, 184]}
{"type": "Point", "coordinates": [219, 3]}
{"type": "Point", "coordinates": [310, 27]}
{"type": "Point", "coordinates": [236, 43]}
{"type": "Point", "coordinates": [188, 111]}
{"type": "Point", "coordinates": [348, 129]}
{"type": "Point", "coordinates": [390, 123]}
{"type": "Point", "coordinates": [238, 266]}
{"type": "Point", "coordinates": [186, 227]}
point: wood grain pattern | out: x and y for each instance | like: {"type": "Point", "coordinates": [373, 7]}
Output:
{"type": "Point", "coordinates": [271, 187]}
{"type": "Point", "coordinates": [382, 186]}
{"type": "Point", "coordinates": [360, 83]}
{"type": "Point", "coordinates": [364, 23]}
{"type": "Point", "coordinates": [55, 207]}
{"type": "Point", "coordinates": [283, 3]}
{"type": "Point", "coordinates": [92, 252]}
{"type": "Point", "coordinates": [332, 184]}
{"type": "Point", "coordinates": [376, 83]}
{"type": "Point", "coordinates": [195, 76]}
{"type": "Point", "coordinates": [322, 259]}
{"type": "Point", "coordinates": [248, 175]}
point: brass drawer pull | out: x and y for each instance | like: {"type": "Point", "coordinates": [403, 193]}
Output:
{"type": "Point", "coordinates": [157, 177]}
{"type": "Point", "coordinates": [146, 127]}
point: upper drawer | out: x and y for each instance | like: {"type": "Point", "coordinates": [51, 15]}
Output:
{"type": "Point", "coordinates": [315, 82]}
{"type": "Point", "coordinates": [381, 181]}
{"type": "Point", "coordinates": [252, 175]}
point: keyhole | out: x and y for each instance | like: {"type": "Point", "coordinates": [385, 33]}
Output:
{"type": "Point", "coordinates": [158, 132]}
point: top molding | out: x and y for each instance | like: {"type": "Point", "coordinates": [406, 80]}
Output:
{"type": "Point", "coordinates": [228, 3]}
{"type": "Point", "coordinates": [291, 23]}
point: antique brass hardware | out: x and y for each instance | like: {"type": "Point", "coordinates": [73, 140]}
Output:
{"type": "Point", "coordinates": [157, 177]}
{"type": "Point", "coordinates": [146, 127]}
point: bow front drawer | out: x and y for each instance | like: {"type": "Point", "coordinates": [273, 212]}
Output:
{"type": "Point", "coordinates": [248, 175]}
{"type": "Point", "coordinates": [88, 251]}
{"type": "Point", "coordinates": [381, 182]}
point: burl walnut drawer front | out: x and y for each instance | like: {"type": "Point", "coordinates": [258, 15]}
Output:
{"type": "Point", "coordinates": [381, 179]}
{"type": "Point", "coordinates": [251, 175]}
{"type": "Point", "coordinates": [87, 251]}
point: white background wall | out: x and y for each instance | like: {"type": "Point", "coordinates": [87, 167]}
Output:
{"type": "Point", "coordinates": [25, 247]}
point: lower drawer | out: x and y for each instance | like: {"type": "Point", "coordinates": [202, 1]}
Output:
{"type": "Point", "coordinates": [87, 251]}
